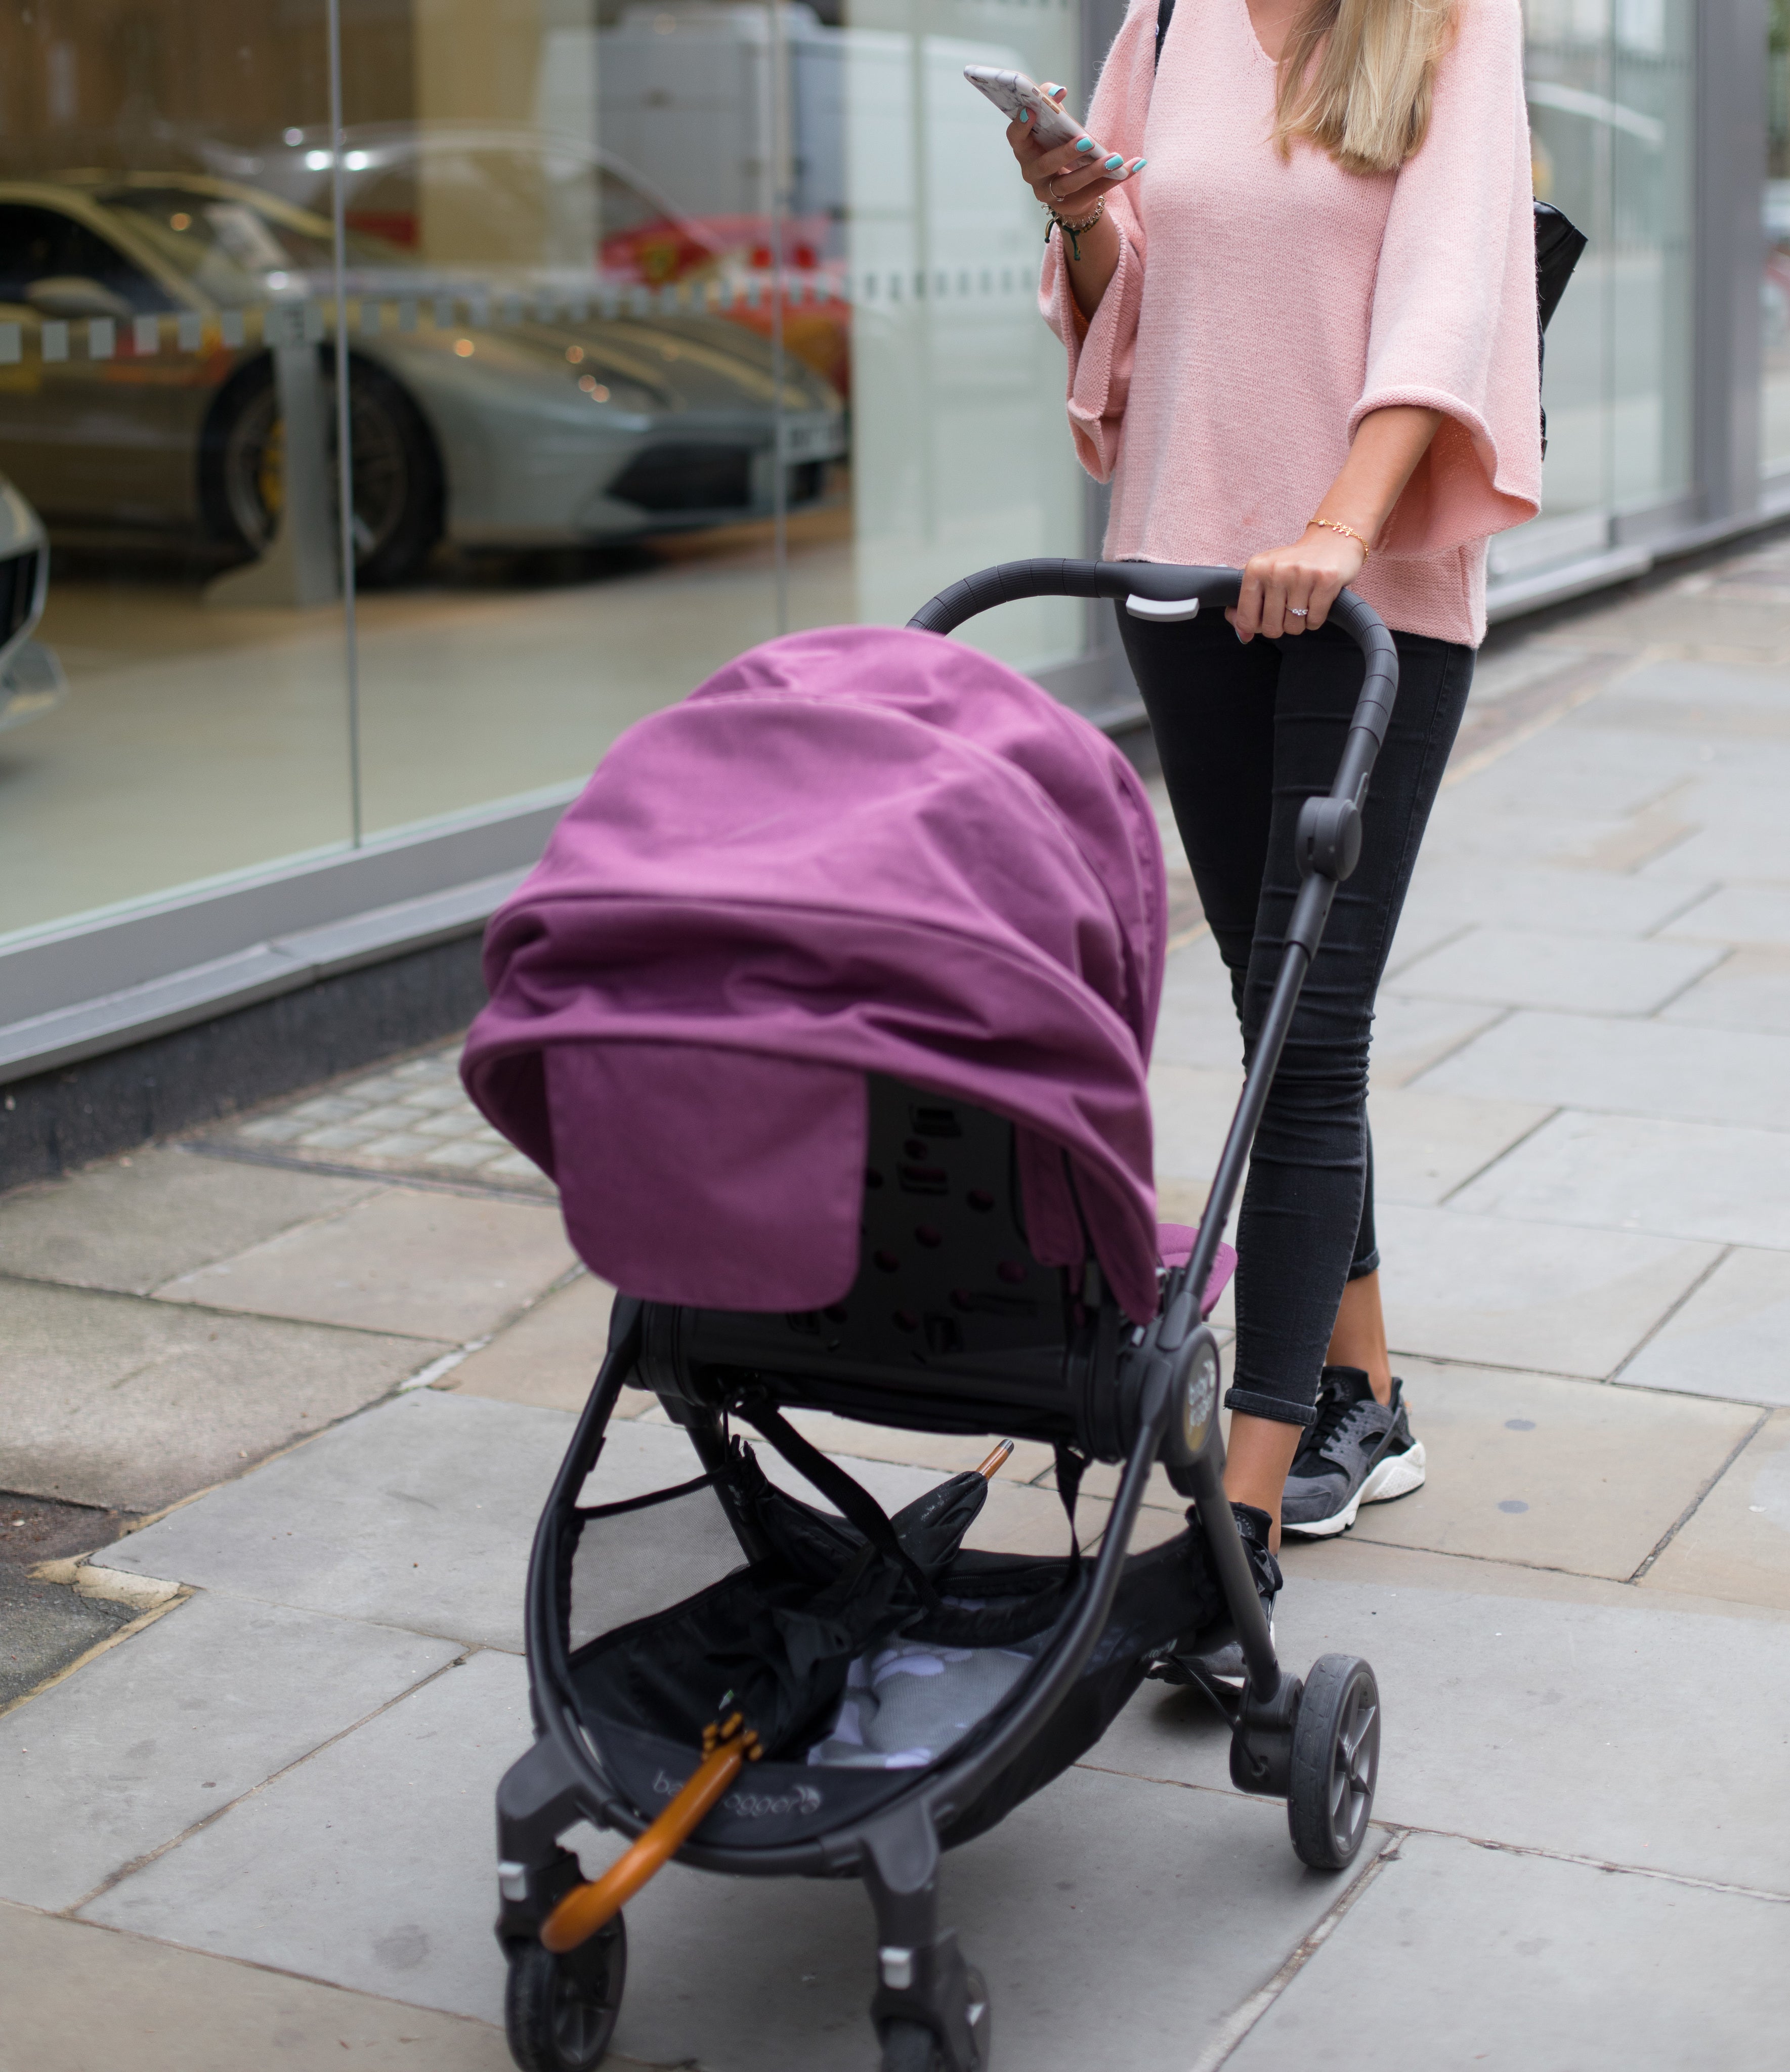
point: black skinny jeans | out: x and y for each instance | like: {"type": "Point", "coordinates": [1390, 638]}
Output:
{"type": "Point", "coordinates": [1246, 734]}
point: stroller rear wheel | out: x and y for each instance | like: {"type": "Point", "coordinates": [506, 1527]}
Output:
{"type": "Point", "coordinates": [1335, 1762]}
{"type": "Point", "coordinates": [559, 2013]}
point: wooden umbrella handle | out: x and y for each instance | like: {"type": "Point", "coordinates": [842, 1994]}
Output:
{"type": "Point", "coordinates": [587, 1908]}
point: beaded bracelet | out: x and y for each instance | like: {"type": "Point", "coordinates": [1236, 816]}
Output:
{"type": "Point", "coordinates": [1073, 231]}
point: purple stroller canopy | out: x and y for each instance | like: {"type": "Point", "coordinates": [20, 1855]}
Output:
{"type": "Point", "coordinates": [851, 851]}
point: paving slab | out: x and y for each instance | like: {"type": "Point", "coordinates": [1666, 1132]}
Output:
{"type": "Point", "coordinates": [1582, 1727]}
{"type": "Point", "coordinates": [1738, 1544]}
{"type": "Point", "coordinates": [1350, 1559]}
{"type": "Point", "coordinates": [1425, 1146]}
{"type": "Point", "coordinates": [167, 1727]}
{"type": "Point", "coordinates": [371, 1866]}
{"type": "Point", "coordinates": [1612, 1067]}
{"type": "Point", "coordinates": [1751, 990]}
{"type": "Point", "coordinates": [1192, 1107]}
{"type": "Point", "coordinates": [1712, 691]}
{"type": "Point", "coordinates": [1410, 1034]}
{"type": "Point", "coordinates": [1490, 1291]}
{"type": "Point", "coordinates": [1543, 968]}
{"type": "Point", "coordinates": [1736, 822]}
{"type": "Point", "coordinates": [1490, 1957]}
{"type": "Point", "coordinates": [1565, 1474]}
{"type": "Point", "coordinates": [549, 1355]}
{"type": "Point", "coordinates": [1731, 1338]}
{"type": "Point", "coordinates": [1568, 774]}
{"type": "Point", "coordinates": [1197, 1025]}
{"type": "Point", "coordinates": [1562, 898]}
{"type": "Point", "coordinates": [75, 1998]}
{"type": "Point", "coordinates": [435, 1265]}
{"type": "Point", "coordinates": [1742, 915]}
{"type": "Point", "coordinates": [1511, 838]}
{"type": "Point", "coordinates": [419, 1514]}
{"type": "Point", "coordinates": [133, 1223]}
{"type": "Point", "coordinates": [1621, 1173]}
{"type": "Point", "coordinates": [120, 1402]}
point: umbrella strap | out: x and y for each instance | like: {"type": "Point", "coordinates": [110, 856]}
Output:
{"type": "Point", "coordinates": [851, 1499]}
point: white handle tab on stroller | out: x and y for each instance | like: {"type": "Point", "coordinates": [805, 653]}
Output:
{"type": "Point", "coordinates": [1162, 611]}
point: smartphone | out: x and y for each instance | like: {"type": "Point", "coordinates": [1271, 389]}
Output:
{"type": "Point", "coordinates": [1012, 92]}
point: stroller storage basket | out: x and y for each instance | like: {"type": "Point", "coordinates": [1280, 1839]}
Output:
{"type": "Point", "coordinates": [903, 1682]}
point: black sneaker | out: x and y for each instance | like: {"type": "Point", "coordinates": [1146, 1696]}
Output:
{"type": "Point", "coordinates": [1358, 1452]}
{"type": "Point", "coordinates": [1215, 1654]}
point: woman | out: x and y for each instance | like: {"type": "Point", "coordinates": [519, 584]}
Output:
{"type": "Point", "coordinates": [1303, 342]}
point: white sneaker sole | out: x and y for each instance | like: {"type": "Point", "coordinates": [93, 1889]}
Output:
{"type": "Point", "coordinates": [1397, 1475]}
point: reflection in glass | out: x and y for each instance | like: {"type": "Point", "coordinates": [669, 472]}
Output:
{"type": "Point", "coordinates": [962, 455]}
{"type": "Point", "coordinates": [668, 326]}
{"type": "Point", "coordinates": [147, 296]}
{"type": "Point", "coordinates": [622, 436]}
{"type": "Point", "coordinates": [1609, 113]}
{"type": "Point", "coordinates": [1774, 289]}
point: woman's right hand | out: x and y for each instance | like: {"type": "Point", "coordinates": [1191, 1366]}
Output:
{"type": "Point", "coordinates": [1070, 178]}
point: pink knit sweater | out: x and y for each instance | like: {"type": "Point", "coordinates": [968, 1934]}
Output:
{"type": "Point", "coordinates": [1262, 307]}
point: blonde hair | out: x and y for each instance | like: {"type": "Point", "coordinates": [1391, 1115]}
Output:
{"type": "Point", "coordinates": [1357, 78]}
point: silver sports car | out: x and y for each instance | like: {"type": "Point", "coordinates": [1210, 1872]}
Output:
{"type": "Point", "coordinates": [138, 396]}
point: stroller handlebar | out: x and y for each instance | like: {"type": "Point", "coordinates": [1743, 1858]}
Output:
{"type": "Point", "coordinates": [1162, 582]}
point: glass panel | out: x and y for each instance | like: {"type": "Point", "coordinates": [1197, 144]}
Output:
{"type": "Point", "coordinates": [961, 453]}
{"type": "Point", "coordinates": [1775, 294]}
{"type": "Point", "coordinates": [1610, 109]}
{"type": "Point", "coordinates": [565, 389]}
{"type": "Point", "coordinates": [180, 713]}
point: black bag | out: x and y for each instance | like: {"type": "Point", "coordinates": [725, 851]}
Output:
{"type": "Point", "coordinates": [1559, 242]}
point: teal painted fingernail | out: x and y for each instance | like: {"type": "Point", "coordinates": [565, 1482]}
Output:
{"type": "Point", "coordinates": [1114, 163]}
{"type": "Point", "coordinates": [1084, 144]}
{"type": "Point", "coordinates": [1140, 165]}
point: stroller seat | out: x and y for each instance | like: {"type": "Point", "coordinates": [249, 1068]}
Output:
{"type": "Point", "coordinates": [952, 1323]}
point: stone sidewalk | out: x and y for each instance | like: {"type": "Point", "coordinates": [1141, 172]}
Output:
{"type": "Point", "coordinates": [297, 1388]}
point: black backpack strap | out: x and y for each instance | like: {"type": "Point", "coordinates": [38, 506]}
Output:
{"type": "Point", "coordinates": [1165, 13]}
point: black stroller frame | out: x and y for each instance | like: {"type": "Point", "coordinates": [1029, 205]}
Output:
{"type": "Point", "coordinates": [1108, 1389]}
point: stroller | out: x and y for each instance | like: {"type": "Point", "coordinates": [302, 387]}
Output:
{"type": "Point", "coordinates": [828, 1008]}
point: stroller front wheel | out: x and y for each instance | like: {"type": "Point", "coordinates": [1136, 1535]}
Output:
{"type": "Point", "coordinates": [911, 2046]}
{"type": "Point", "coordinates": [1335, 1762]}
{"type": "Point", "coordinates": [560, 2013]}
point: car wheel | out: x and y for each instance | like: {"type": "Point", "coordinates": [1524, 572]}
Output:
{"type": "Point", "coordinates": [397, 474]}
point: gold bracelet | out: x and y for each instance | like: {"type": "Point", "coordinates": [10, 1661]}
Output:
{"type": "Point", "coordinates": [1347, 532]}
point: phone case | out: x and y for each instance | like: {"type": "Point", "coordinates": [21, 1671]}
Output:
{"type": "Point", "coordinates": [1011, 92]}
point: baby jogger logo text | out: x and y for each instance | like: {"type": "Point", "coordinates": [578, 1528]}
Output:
{"type": "Point", "coordinates": [753, 1805]}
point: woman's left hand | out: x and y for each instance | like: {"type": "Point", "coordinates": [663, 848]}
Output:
{"type": "Point", "coordinates": [1289, 590]}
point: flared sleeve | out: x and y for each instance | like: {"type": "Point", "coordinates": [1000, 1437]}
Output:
{"type": "Point", "coordinates": [1101, 349]}
{"type": "Point", "coordinates": [1453, 326]}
